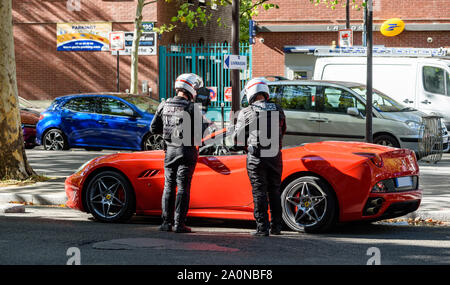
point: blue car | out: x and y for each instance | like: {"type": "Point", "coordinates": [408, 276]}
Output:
{"type": "Point", "coordinates": [98, 121]}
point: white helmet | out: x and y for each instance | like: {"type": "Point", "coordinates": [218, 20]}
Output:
{"type": "Point", "coordinates": [190, 82]}
{"type": "Point", "coordinates": [255, 86]}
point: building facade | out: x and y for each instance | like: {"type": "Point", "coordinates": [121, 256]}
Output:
{"type": "Point", "coordinates": [43, 72]}
{"type": "Point", "coordinates": [302, 24]}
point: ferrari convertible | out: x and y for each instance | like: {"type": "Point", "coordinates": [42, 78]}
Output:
{"type": "Point", "coordinates": [323, 184]}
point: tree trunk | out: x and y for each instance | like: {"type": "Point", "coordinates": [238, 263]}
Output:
{"type": "Point", "coordinates": [13, 161]}
{"type": "Point", "coordinates": [135, 49]}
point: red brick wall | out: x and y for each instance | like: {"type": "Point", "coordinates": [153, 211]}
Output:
{"type": "Point", "coordinates": [409, 10]}
{"type": "Point", "coordinates": [269, 58]}
{"type": "Point", "coordinates": [44, 73]}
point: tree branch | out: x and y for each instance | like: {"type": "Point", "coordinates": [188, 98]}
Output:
{"type": "Point", "coordinates": [151, 2]}
{"type": "Point", "coordinates": [253, 6]}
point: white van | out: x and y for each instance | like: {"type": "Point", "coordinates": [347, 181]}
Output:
{"type": "Point", "coordinates": [420, 83]}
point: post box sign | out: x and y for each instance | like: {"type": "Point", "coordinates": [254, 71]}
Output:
{"type": "Point", "coordinates": [392, 27]}
{"type": "Point", "coordinates": [83, 36]}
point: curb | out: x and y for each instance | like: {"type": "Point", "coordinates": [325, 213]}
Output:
{"type": "Point", "coordinates": [443, 216]}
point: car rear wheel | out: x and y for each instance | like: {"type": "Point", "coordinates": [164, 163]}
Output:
{"type": "Point", "coordinates": [110, 197]}
{"type": "Point", "coordinates": [309, 205]}
{"type": "Point", "coordinates": [54, 139]}
{"type": "Point", "coordinates": [153, 142]}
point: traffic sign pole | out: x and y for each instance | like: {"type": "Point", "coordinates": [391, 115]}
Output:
{"type": "Point", "coordinates": [118, 73]}
{"type": "Point", "coordinates": [235, 80]}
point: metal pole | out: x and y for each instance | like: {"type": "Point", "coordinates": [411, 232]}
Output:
{"type": "Point", "coordinates": [118, 74]}
{"type": "Point", "coordinates": [369, 94]}
{"type": "Point", "coordinates": [235, 76]}
{"type": "Point", "coordinates": [347, 15]}
{"type": "Point", "coordinates": [364, 32]}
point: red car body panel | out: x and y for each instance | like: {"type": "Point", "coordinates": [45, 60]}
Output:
{"type": "Point", "coordinates": [221, 187]}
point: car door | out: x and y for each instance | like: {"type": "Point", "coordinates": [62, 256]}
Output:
{"type": "Point", "coordinates": [435, 95]}
{"type": "Point", "coordinates": [221, 181]}
{"type": "Point", "coordinates": [119, 126]}
{"type": "Point", "coordinates": [335, 123]}
{"type": "Point", "coordinates": [79, 121]}
{"type": "Point", "coordinates": [302, 118]}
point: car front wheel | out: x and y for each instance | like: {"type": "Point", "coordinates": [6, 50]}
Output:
{"type": "Point", "coordinates": [309, 205]}
{"type": "Point", "coordinates": [110, 197]}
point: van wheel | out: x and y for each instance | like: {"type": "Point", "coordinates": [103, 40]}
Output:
{"type": "Point", "coordinates": [386, 140]}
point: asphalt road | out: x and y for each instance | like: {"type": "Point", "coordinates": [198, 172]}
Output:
{"type": "Point", "coordinates": [54, 236]}
{"type": "Point", "coordinates": [57, 236]}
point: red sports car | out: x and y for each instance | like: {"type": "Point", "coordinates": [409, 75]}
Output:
{"type": "Point", "coordinates": [322, 184]}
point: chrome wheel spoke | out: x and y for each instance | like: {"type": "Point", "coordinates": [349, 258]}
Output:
{"type": "Point", "coordinates": [305, 204]}
{"type": "Point", "coordinates": [104, 197]}
{"type": "Point", "coordinates": [293, 200]}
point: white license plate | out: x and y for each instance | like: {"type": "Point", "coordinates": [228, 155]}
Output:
{"type": "Point", "coordinates": [403, 181]}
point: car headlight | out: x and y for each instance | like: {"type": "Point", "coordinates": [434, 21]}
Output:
{"type": "Point", "coordinates": [413, 125]}
{"type": "Point", "coordinates": [84, 165]}
{"type": "Point", "coordinates": [444, 127]}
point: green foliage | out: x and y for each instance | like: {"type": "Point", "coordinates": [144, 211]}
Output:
{"type": "Point", "coordinates": [193, 16]}
{"type": "Point", "coordinates": [355, 4]}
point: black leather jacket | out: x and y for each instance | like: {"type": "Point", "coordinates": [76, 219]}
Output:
{"type": "Point", "coordinates": [254, 128]}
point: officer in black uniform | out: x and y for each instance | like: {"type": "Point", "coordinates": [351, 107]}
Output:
{"type": "Point", "coordinates": [177, 118]}
{"type": "Point", "coordinates": [264, 159]}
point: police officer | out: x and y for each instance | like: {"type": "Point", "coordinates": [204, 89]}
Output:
{"type": "Point", "coordinates": [176, 118]}
{"type": "Point", "coordinates": [264, 162]}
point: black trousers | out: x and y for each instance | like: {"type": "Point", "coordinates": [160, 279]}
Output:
{"type": "Point", "coordinates": [179, 166]}
{"type": "Point", "coordinates": [265, 178]}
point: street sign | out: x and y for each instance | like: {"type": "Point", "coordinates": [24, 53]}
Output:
{"type": "Point", "coordinates": [346, 38]}
{"type": "Point", "coordinates": [116, 41]}
{"type": "Point", "coordinates": [227, 92]}
{"type": "Point", "coordinates": [251, 31]}
{"type": "Point", "coordinates": [212, 93]}
{"type": "Point", "coordinates": [232, 61]}
{"type": "Point", "coordinates": [147, 44]}
{"type": "Point", "coordinates": [148, 26]}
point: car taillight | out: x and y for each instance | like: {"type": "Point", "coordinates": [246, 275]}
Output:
{"type": "Point", "coordinates": [375, 158]}
{"type": "Point", "coordinates": [41, 117]}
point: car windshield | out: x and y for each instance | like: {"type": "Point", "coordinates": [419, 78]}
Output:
{"type": "Point", "coordinates": [143, 103]}
{"type": "Point", "coordinates": [381, 101]}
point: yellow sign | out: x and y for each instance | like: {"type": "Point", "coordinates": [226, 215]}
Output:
{"type": "Point", "coordinates": [83, 36]}
{"type": "Point", "coordinates": [392, 27]}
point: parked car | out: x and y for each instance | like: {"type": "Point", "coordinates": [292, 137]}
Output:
{"type": "Point", "coordinates": [328, 110]}
{"type": "Point", "coordinates": [97, 121]}
{"type": "Point", "coordinates": [29, 119]}
{"type": "Point", "coordinates": [420, 83]}
{"type": "Point", "coordinates": [322, 184]}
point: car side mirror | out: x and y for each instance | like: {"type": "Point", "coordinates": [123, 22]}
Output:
{"type": "Point", "coordinates": [352, 111]}
{"type": "Point", "coordinates": [130, 113]}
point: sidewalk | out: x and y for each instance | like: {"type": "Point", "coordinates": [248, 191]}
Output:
{"type": "Point", "coordinates": [434, 180]}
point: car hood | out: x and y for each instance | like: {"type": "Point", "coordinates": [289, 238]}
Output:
{"type": "Point", "coordinates": [404, 116]}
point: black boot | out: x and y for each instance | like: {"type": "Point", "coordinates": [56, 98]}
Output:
{"type": "Point", "coordinates": [165, 227]}
{"type": "Point", "coordinates": [182, 229]}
